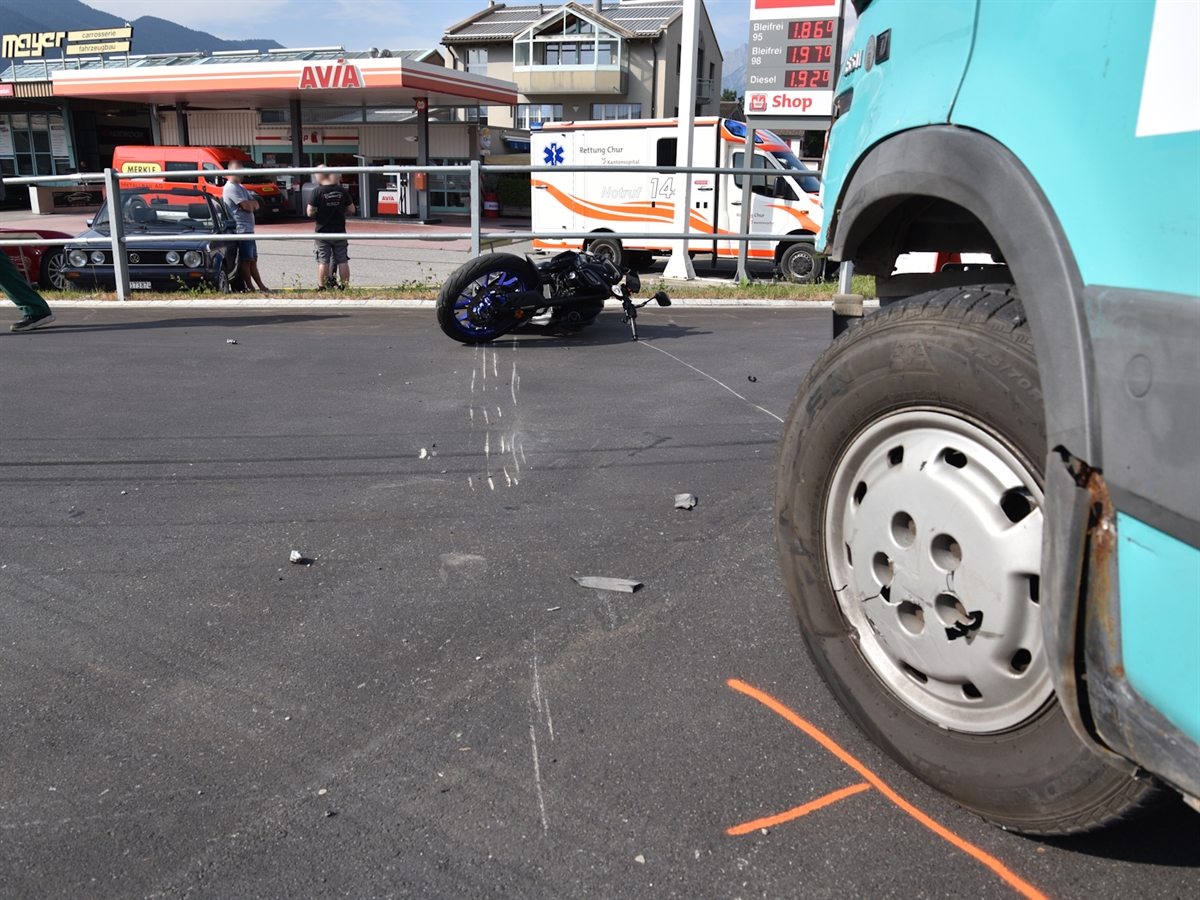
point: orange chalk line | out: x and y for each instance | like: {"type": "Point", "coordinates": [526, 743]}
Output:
{"type": "Point", "coordinates": [1021, 886]}
{"type": "Point", "coordinates": [799, 811]}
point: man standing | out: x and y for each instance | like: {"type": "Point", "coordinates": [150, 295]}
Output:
{"type": "Point", "coordinates": [29, 301]}
{"type": "Point", "coordinates": [241, 205]}
{"type": "Point", "coordinates": [329, 204]}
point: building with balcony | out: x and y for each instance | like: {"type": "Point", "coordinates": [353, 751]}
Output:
{"type": "Point", "coordinates": [577, 61]}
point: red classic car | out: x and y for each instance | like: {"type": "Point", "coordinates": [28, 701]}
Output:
{"type": "Point", "coordinates": [42, 266]}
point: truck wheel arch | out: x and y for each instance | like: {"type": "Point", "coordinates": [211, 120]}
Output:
{"type": "Point", "coordinates": [975, 172]}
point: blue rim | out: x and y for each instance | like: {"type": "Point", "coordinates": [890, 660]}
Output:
{"type": "Point", "coordinates": [500, 279]}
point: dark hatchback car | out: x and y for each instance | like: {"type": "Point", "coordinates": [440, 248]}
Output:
{"type": "Point", "coordinates": [193, 251]}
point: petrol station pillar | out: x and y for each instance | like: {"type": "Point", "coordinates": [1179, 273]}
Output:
{"type": "Point", "coordinates": [422, 179]}
{"type": "Point", "coordinates": [297, 158]}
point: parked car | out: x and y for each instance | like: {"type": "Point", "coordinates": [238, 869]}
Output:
{"type": "Point", "coordinates": [42, 266]}
{"type": "Point", "coordinates": [193, 250]}
{"type": "Point", "coordinates": [132, 160]}
{"type": "Point", "coordinates": [987, 500]}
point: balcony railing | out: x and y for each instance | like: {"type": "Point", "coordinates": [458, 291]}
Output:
{"type": "Point", "coordinates": [534, 80]}
{"type": "Point", "coordinates": [704, 90]}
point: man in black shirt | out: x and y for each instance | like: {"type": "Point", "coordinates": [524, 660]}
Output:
{"type": "Point", "coordinates": [329, 204]}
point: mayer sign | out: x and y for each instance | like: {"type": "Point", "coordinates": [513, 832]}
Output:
{"type": "Point", "coordinates": [96, 40]}
{"type": "Point", "coordinates": [794, 48]}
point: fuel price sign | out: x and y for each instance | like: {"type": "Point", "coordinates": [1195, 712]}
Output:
{"type": "Point", "coordinates": [793, 50]}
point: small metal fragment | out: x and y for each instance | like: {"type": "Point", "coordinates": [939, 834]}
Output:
{"type": "Point", "coordinates": [685, 501]}
{"type": "Point", "coordinates": [601, 583]}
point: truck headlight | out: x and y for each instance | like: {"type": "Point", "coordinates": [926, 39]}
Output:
{"type": "Point", "coordinates": [193, 259]}
{"type": "Point", "coordinates": [172, 257]}
{"type": "Point", "coordinates": [77, 258]}
{"type": "Point", "coordinates": [98, 257]}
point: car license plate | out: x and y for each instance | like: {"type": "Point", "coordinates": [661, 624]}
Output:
{"type": "Point", "coordinates": [139, 285]}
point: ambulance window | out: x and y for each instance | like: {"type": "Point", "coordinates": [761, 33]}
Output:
{"type": "Point", "coordinates": [667, 151]}
{"type": "Point", "coordinates": [758, 184]}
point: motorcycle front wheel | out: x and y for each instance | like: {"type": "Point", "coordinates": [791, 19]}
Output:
{"type": "Point", "coordinates": [473, 284]}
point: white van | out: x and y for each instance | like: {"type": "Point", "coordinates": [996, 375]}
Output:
{"type": "Point", "coordinates": [784, 202]}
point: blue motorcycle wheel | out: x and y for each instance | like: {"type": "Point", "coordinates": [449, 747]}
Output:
{"type": "Point", "coordinates": [496, 273]}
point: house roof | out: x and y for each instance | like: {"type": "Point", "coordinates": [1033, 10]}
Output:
{"type": "Point", "coordinates": [43, 69]}
{"type": "Point", "coordinates": [501, 22]}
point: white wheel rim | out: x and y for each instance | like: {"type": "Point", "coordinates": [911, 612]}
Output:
{"type": "Point", "coordinates": [937, 580]}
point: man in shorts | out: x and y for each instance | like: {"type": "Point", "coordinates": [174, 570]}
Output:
{"type": "Point", "coordinates": [329, 204]}
{"type": "Point", "coordinates": [241, 205]}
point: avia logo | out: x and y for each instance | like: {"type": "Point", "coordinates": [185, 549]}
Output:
{"type": "Point", "coordinates": [338, 76]}
{"type": "Point", "coordinates": [758, 102]}
{"type": "Point", "coordinates": [554, 155]}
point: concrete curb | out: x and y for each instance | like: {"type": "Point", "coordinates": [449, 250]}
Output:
{"type": "Point", "coordinates": [404, 303]}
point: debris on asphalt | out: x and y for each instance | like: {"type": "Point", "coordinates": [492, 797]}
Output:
{"type": "Point", "coordinates": [124, 492]}
{"type": "Point", "coordinates": [640, 859]}
{"type": "Point", "coordinates": [554, 609]}
{"type": "Point", "coordinates": [424, 453]}
{"type": "Point", "coordinates": [751, 378]}
{"type": "Point", "coordinates": [230, 341]}
{"type": "Point", "coordinates": [685, 501]}
{"type": "Point", "coordinates": [321, 792]}
{"type": "Point", "coordinates": [297, 558]}
{"type": "Point", "coordinates": [601, 583]}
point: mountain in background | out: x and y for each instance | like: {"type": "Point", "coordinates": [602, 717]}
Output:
{"type": "Point", "coordinates": [733, 75]}
{"type": "Point", "coordinates": [150, 33]}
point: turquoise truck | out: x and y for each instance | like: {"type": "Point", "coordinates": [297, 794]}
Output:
{"type": "Point", "coordinates": [987, 498]}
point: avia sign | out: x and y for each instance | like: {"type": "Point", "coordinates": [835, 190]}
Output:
{"type": "Point", "coordinates": [338, 76]}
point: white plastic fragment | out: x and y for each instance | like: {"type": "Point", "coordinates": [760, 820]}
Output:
{"type": "Point", "coordinates": [424, 453]}
{"type": "Point", "coordinates": [640, 859]}
{"type": "Point", "coordinates": [601, 583]}
{"type": "Point", "coordinates": [685, 501]}
{"type": "Point", "coordinates": [230, 341]}
{"type": "Point", "coordinates": [296, 557]}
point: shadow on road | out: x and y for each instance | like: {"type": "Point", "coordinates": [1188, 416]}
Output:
{"type": "Point", "coordinates": [1168, 835]}
{"type": "Point", "coordinates": [242, 321]}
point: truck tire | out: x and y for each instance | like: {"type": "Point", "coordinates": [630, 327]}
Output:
{"type": "Point", "coordinates": [908, 510]}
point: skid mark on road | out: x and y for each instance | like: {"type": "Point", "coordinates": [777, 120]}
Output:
{"type": "Point", "coordinates": [710, 378]}
{"type": "Point", "coordinates": [871, 781]}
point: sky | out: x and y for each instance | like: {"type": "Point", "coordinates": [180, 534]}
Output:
{"type": "Point", "coordinates": [360, 24]}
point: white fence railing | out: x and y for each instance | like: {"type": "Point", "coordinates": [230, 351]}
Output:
{"type": "Point", "coordinates": [119, 241]}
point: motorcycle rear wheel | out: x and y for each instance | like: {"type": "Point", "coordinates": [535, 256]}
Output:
{"type": "Point", "coordinates": [496, 272]}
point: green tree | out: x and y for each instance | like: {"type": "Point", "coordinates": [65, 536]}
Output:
{"type": "Point", "coordinates": [730, 94]}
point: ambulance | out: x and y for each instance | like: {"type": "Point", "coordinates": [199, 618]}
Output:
{"type": "Point", "coordinates": [784, 200]}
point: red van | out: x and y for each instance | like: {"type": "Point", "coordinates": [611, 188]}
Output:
{"type": "Point", "coordinates": [136, 160]}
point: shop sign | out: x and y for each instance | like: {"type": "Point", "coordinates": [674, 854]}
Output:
{"type": "Point", "coordinates": [58, 139]}
{"type": "Point", "coordinates": [339, 76]}
{"type": "Point", "coordinates": [95, 40]}
{"type": "Point", "coordinates": [6, 141]}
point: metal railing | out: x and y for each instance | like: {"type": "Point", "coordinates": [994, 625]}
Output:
{"type": "Point", "coordinates": [119, 241]}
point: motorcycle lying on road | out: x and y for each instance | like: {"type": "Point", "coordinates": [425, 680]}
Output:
{"type": "Point", "coordinates": [494, 294]}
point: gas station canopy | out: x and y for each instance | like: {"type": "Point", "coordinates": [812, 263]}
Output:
{"type": "Point", "coordinates": [323, 77]}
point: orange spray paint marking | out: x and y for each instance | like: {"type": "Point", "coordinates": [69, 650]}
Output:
{"type": "Point", "coordinates": [1018, 884]}
{"type": "Point", "coordinates": [799, 811]}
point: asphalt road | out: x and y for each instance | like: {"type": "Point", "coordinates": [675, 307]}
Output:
{"type": "Point", "coordinates": [432, 708]}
